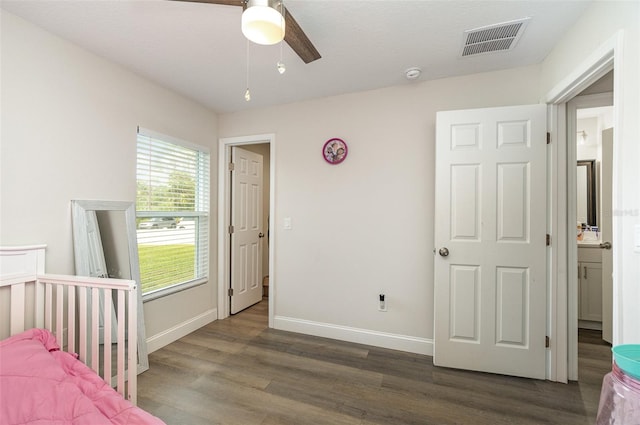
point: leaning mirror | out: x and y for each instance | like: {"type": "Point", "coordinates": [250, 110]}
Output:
{"type": "Point", "coordinates": [586, 192]}
{"type": "Point", "coordinates": [104, 242]}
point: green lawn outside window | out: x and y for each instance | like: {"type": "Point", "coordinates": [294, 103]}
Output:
{"type": "Point", "coordinates": [159, 268]}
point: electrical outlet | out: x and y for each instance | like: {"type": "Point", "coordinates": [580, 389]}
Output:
{"type": "Point", "coordinates": [382, 302]}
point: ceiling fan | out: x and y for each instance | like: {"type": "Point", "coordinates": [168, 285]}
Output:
{"type": "Point", "coordinates": [294, 35]}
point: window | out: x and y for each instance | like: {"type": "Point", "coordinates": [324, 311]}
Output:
{"type": "Point", "coordinates": [172, 214]}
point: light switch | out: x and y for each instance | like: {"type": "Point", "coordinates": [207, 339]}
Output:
{"type": "Point", "coordinates": [287, 223]}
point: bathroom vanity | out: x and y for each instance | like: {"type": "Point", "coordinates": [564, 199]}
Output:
{"type": "Point", "coordinates": [589, 284]}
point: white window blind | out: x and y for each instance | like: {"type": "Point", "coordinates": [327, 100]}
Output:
{"type": "Point", "coordinates": [172, 210]}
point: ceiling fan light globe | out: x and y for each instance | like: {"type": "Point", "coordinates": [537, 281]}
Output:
{"type": "Point", "coordinates": [263, 25]}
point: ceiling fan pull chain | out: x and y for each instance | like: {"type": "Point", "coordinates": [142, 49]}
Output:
{"type": "Point", "coordinates": [247, 93]}
{"type": "Point", "coordinates": [280, 65]}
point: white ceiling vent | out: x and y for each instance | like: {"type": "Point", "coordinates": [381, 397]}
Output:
{"type": "Point", "coordinates": [493, 38]}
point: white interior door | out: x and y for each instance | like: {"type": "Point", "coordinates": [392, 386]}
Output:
{"type": "Point", "coordinates": [247, 234]}
{"type": "Point", "coordinates": [606, 170]}
{"type": "Point", "coordinates": [490, 290]}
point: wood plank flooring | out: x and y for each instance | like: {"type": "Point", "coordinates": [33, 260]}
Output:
{"type": "Point", "coordinates": [238, 372]}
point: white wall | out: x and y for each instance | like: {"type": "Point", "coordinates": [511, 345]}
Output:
{"type": "Point", "coordinates": [600, 23]}
{"type": "Point", "coordinates": [366, 225]}
{"type": "Point", "coordinates": [69, 122]}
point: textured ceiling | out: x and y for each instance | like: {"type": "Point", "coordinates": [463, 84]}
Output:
{"type": "Point", "coordinates": [198, 49]}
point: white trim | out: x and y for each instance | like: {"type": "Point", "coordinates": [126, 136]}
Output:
{"type": "Point", "coordinates": [618, 125]}
{"type": "Point", "coordinates": [23, 248]}
{"type": "Point", "coordinates": [556, 253]}
{"type": "Point", "coordinates": [588, 72]}
{"type": "Point", "coordinates": [173, 289]}
{"type": "Point", "coordinates": [608, 56]}
{"type": "Point", "coordinates": [176, 332]}
{"type": "Point", "coordinates": [166, 138]}
{"type": "Point", "coordinates": [406, 343]}
{"type": "Point", "coordinates": [224, 254]}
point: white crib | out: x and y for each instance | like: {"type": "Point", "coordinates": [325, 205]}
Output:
{"type": "Point", "coordinates": [69, 307]}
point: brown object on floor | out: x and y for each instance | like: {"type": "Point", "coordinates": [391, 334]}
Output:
{"type": "Point", "coordinates": [237, 371]}
{"type": "Point", "coordinates": [265, 286]}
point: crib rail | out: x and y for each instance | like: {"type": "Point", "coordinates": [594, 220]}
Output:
{"type": "Point", "coordinates": [69, 307]}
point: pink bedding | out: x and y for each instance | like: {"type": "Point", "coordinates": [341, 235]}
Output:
{"type": "Point", "coordinates": [39, 384]}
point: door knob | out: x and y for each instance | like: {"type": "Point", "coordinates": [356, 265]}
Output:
{"type": "Point", "coordinates": [443, 252]}
{"type": "Point", "coordinates": [261, 235]}
{"type": "Point", "coordinates": [605, 245]}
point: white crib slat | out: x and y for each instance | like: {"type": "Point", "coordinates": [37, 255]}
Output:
{"type": "Point", "coordinates": [39, 298]}
{"type": "Point", "coordinates": [95, 329]}
{"type": "Point", "coordinates": [82, 331]}
{"type": "Point", "coordinates": [59, 333]}
{"type": "Point", "coordinates": [48, 307]}
{"type": "Point", "coordinates": [17, 308]}
{"type": "Point", "coordinates": [132, 363]}
{"type": "Point", "coordinates": [71, 319]}
{"type": "Point", "coordinates": [108, 305]}
{"type": "Point", "coordinates": [121, 343]}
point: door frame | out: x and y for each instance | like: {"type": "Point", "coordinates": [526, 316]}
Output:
{"type": "Point", "coordinates": [224, 218]}
{"type": "Point", "coordinates": [563, 312]}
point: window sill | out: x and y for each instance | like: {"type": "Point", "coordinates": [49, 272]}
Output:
{"type": "Point", "coordinates": [170, 290]}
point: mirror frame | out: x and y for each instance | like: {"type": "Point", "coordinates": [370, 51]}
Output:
{"type": "Point", "coordinates": [590, 165]}
{"type": "Point", "coordinates": [81, 247]}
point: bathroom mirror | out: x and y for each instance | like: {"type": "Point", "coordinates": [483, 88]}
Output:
{"type": "Point", "coordinates": [105, 245]}
{"type": "Point", "coordinates": [586, 192]}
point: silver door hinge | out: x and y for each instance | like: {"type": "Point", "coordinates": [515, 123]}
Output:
{"type": "Point", "coordinates": [230, 292]}
{"type": "Point", "coordinates": [548, 239]}
{"type": "Point", "coordinates": [232, 166]}
{"type": "Point", "coordinates": [231, 229]}
{"type": "Point", "coordinates": [548, 138]}
{"type": "Point", "coordinates": [547, 342]}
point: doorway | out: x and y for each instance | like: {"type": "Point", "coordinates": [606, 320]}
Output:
{"type": "Point", "coordinates": [593, 187]}
{"type": "Point", "coordinates": [249, 214]}
{"type": "Point", "coordinates": [590, 138]}
{"type": "Point", "coordinates": [562, 259]}
{"type": "Point", "coordinates": [265, 145]}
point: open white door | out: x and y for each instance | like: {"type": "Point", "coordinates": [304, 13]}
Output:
{"type": "Point", "coordinates": [247, 232]}
{"type": "Point", "coordinates": [606, 170]}
{"type": "Point", "coordinates": [490, 234]}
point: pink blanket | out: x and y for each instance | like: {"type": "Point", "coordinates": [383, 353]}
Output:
{"type": "Point", "coordinates": [39, 384]}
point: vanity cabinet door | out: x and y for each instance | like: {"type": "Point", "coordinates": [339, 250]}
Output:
{"type": "Point", "coordinates": [590, 291]}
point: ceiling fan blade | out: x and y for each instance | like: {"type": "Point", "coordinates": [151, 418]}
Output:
{"type": "Point", "coordinates": [298, 40]}
{"type": "Point", "coordinates": [294, 35]}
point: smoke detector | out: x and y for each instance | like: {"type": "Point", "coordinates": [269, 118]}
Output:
{"type": "Point", "coordinates": [493, 38]}
{"type": "Point", "coordinates": [412, 73]}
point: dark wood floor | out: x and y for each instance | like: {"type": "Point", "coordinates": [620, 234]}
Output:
{"type": "Point", "coordinates": [237, 371]}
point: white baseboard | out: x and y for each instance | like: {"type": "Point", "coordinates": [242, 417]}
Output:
{"type": "Point", "coordinates": [407, 343]}
{"type": "Point", "coordinates": [588, 324]}
{"type": "Point", "coordinates": [158, 341]}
